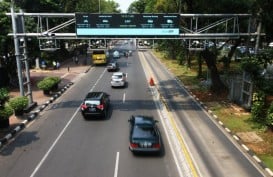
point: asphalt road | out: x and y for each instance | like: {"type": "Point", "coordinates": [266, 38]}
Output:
{"type": "Point", "coordinates": [61, 143]}
{"type": "Point", "coordinates": [214, 152]}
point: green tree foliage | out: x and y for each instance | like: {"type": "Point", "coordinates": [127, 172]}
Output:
{"type": "Point", "coordinates": [39, 5]}
{"type": "Point", "coordinates": [263, 10]}
{"type": "Point", "coordinates": [258, 107]}
{"type": "Point", "coordinates": [255, 65]}
{"type": "Point", "coordinates": [5, 23]}
{"type": "Point", "coordinates": [269, 116]}
{"type": "Point", "coordinates": [92, 6]}
{"type": "Point", "coordinates": [138, 6]}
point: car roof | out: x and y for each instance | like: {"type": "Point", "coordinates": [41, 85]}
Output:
{"type": "Point", "coordinates": [94, 95]}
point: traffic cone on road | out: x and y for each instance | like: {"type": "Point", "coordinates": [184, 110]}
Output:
{"type": "Point", "coordinates": [151, 82]}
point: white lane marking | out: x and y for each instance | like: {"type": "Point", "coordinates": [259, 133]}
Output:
{"type": "Point", "coordinates": [53, 145]}
{"type": "Point", "coordinates": [60, 135]}
{"type": "Point", "coordinates": [116, 165]}
{"type": "Point", "coordinates": [98, 80]}
{"type": "Point", "coordinates": [123, 98]}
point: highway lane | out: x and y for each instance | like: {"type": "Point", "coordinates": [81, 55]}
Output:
{"type": "Point", "coordinates": [61, 143]}
{"type": "Point", "coordinates": [213, 150]}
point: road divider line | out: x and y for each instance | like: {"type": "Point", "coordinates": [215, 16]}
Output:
{"type": "Point", "coordinates": [123, 98]}
{"type": "Point", "coordinates": [53, 145]}
{"type": "Point", "coordinates": [61, 134]}
{"type": "Point", "coordinates": [116, 165]}
{"type": "Point", "coordinates": [171, 119]}
{"type": "Point", "coordinates": [98, 80]}
{"type": "Point", "coordinates": [183, 146]}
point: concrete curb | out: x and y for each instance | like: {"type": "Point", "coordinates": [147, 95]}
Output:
{"type": "Point", "coordinates": [32, 115]}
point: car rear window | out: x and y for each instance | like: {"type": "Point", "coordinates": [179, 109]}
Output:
{"type": "Point", "coordinates": [98, 52]}
{"type": "Point", "coordinates": [143, 132]}
{"type": "Point", "coordinates": [92, 102]}
{"type": "Point", "coordinates": [117, 76]}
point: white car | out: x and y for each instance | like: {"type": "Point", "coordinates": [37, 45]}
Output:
{"type": "Point", "coordinates": [118, 79]}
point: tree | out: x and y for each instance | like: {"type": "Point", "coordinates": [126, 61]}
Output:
{"type": "Point", "coordinates": [5, 23]}
{"type": "Point", "coordinates": [137, 6]}
{"type": "Point", "coordinates": [217, 85]}
{"type": "Point", "coordinates": [263, 10]}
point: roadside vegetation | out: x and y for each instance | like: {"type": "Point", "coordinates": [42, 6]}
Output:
{"type": "Point", "coordinates": [234, 117]}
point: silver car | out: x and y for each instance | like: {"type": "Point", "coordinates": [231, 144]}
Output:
{"type": "Point", "coordinates": [118, 79]}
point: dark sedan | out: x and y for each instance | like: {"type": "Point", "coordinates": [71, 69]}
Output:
{"type": "Point", "coordinates": [144, 134]}
{"type": "Point", "coordinates": [113, 66]}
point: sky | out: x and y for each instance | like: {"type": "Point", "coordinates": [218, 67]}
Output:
{"type": "Point", "coordinates": [124, 4]}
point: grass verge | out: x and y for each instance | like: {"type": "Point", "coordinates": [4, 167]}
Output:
{"type": "Point", "coordinates": [233, 116]}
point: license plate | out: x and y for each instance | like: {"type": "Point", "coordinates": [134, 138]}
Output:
{"type": "Point", "coordinates": [92, 109]}
{"type": "Point", "coordinates": [146, 145]}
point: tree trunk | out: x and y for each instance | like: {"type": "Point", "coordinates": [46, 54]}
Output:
{"type": "Point", "coordinates": [217, 85]}
{"type": "Point", "coordinates": [199, 66]}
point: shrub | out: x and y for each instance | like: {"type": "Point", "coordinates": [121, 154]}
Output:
{"type": "Point", "coordinates": [6, 111]}
{"type": "Point", "coordinates": [258, 107]}
{"type": "Point", "coordinates": [48, 83]}
{"type": "Point", "coordinates": [18, 103]}
{"type": "Point", "coordinates": [269, 117]}
{"type": "Point", "coordinates": [4, 95]}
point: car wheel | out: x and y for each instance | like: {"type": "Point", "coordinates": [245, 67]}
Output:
{"type": "Point", "coordinates": [104, 114]}
{"type": "Point", "coordinates": [84, 116]}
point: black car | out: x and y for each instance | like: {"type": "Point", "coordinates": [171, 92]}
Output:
{"type": "Point", "coordinates": [113, 66]}
{"type": "Point", "coordinates": [144, 134]}
{"type": "Point", "coordinates": [95, 104]}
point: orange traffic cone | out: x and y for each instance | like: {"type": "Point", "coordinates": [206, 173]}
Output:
{"type": "Point", "coordinates": [152, 83]}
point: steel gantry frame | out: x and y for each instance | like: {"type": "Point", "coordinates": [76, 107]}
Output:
{"type": "Point", "coordinates": [193, 27]}
{"type": "Point", "coordinates": [190, 27]}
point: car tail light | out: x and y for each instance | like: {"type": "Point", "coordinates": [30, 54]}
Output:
{"type": "Point", "coordinates": [83, 106]}
{"type": "Point", "coordinates": [100, 106]}
{"type": "Point", "coordinates": [133, 145]}
{"type": "Point", "coordinates": [156, 145]}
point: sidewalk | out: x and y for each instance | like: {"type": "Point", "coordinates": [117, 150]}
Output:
{"type": "Point", "coordinates": [68, 71]}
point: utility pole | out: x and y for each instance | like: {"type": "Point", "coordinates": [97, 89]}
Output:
{"type": "Point", "coordinates": [17, 50]}
{"type": "Point", "coordinates": [21, 56]}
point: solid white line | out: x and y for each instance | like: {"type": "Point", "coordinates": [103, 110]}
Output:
{"type": "Point", "coordinates": [98, 80]}
{"type": "Point", "coordinates": [116, 166]}
{"type": "Point", "coordinates": [123, 99]}
{"type": "Point", "coordinates": [53, 145]}
{"type": "Point", "coordinates": [58, 138]}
